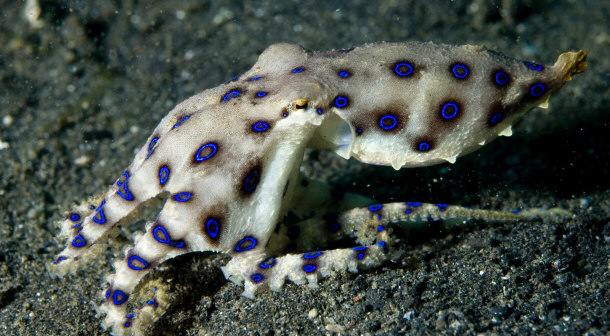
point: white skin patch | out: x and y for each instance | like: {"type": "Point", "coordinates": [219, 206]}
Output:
{"type": "Point", "coordinates": [229, 157]}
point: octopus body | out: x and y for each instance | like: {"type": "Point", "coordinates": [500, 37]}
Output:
{"type": "Point", "coordinates": [227, 160]}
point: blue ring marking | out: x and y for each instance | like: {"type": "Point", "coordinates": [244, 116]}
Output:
{"type": "Point", "coordinates": [361, 255]}
{"type": "Point", "coordinates": [91, 207]}
{"type": "Point", "coordinates": [119, 298]}
{"type": "Point", "coordinates": [534, 66]}
{"type": "Point", "coordinates": [151, 146]}
{"type": "Point", "coordinates": [415, 204]}
{"type": "Point", "coordinates": [312, 255]}
{"type": "Point", "coordinates": [442, 207]}
{"type": "Point", "coordinates": [107, 293]}
{"type": "Point", "coordinates": [254, 174]}
{"type": "Point", "coordinates": [501, 78]}
{"type": "Point", "coordinates": [260, 126]}
{"type": "Point", "coordinates": [100, 212]}
{"type": "Point", "coordinates": [155, 234]}
{"type": "Point", "coordinates": [138, 259]}
{"type": "Point", "coordinates": [255, 78]}
{"type": "Point", "coordinates": [393, 120]}
{"type": "Point", "coordinates": [74, 217]}
{"type": "Point", "coordinates": [182, 197]}
{"type": "Point", "coordinates": [285, 114]}
{"type": "Point", "coordinates": [212, 227]}
{"type": "Point", "coordinates": [334, 227]}
{"type": "Point", "coordinates": [423, 146]}
{"type": "Point", "coordinates": [199, 158]}
{"type": "Point", "coordinates": [267, 263]}
{"type": "Point", "coordinates": [341, 101]}
{"type": "Point", "coordinates": [460, 66]}
{"type": "Point", "coordinates": [58, 260]}
{"type": "Point", "coordinates": [230, 95]}
{"type": "Point", "coordinates": [496, 118]}
{"type": "Point", "coordinates": [77, 225]}
{"type": "Point", "coordinates": [163, 175]}
{"type": "Point", "coordinates": [375, 207]}
{"type": "Point", "coordinates": [261, 94]}
{"type": "Point", "coordinates": [240, 248]}
{"type": "Point", "coordinates": [343, 73]}
{"type": "Point", "coordinates": [234, 78]}
{"type": "Point", "coordinates": [150, 302]}
{"type": "Point", "coordinates": [444, 111]}
{"type": "Point", "coordinates": [181, 121]}
{"type": "Point", "coordinates": [130, 316]}
{"type": "Point", "coordinates": [297, 70]}
{"type": "Point", "coordinates": [516, 211]}
{"type": "Point", "coordinates": [309, 268]}
{"type": "Point", "coordinates": [78, 241]}
{"type": "Point", "coordinates": [408, 211]}
{"type": "Point", "coordinates": [380, 228]}
{"type": "Point", "coordinates": [127, 195]}
{"type": "Point", "coordinates": [176, 243]}
{"type": "Point", "coordinates": [359, 131]}
{"type": "Point", "coordinates": [320, 111]}
{"type": "Point", "coordinates": [399, 72]}
{"type": "Point", "coordinates": [256, 277]}
{"type": "Point", "coordinates": [537, 90]}
{"type": "Point", "coordinates": [127, 324]}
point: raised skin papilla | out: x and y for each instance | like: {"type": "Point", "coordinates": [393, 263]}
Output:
{"type": "Point", "coordinates": [228, 159]}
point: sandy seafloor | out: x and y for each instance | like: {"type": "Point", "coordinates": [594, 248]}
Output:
{"type": "Point", "coordinates": [82, 87]}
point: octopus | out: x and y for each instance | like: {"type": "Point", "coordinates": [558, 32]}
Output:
{"type": "Point", "coordinates": [227, 162]}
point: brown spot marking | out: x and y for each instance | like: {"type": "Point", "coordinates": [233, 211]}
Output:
{"type": "Point", "coordinates": [212, 229]}
{"type": "Point", "coordinates": [423, 144]}
{"type": "Point", "coordinates": [232, 94]}
{"type": "Point", "coordinates": [404, 69]}
{"type": "Point", "coordinates": [163, 174]}
{"type": "Point", "coordinates": [500, 78]}
{"type": "Point", "coordinates": [459, 70]}
{"type": "Point", "coordinates": [536, 90]}
{"type": "Point", "coordinates": [359, 130]}
{"type": "Point", "coordinates": [497, 113]}
{"type": "Point", "coordinates": [205, 152]}
{"type": "Point", "coordinates": [389, 119]}
{"type": "Point", "coordinates": [341, 101]}
{"type": "Point", "coordinates": [259, 127]}
{"type": "Point", "coordinates": [284, 113]}
{"type": "Point", "coordinates": [444, 115]}
{"type": "Point", "coordinates": [249, 178]}
{"type": "Point", "coordinates": [450, 111]}
{"type": "Point", "coordinates": [345, 73]}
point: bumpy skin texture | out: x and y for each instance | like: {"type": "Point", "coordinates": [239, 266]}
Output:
{"type": "Point", "coordinates": [228, 159]}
